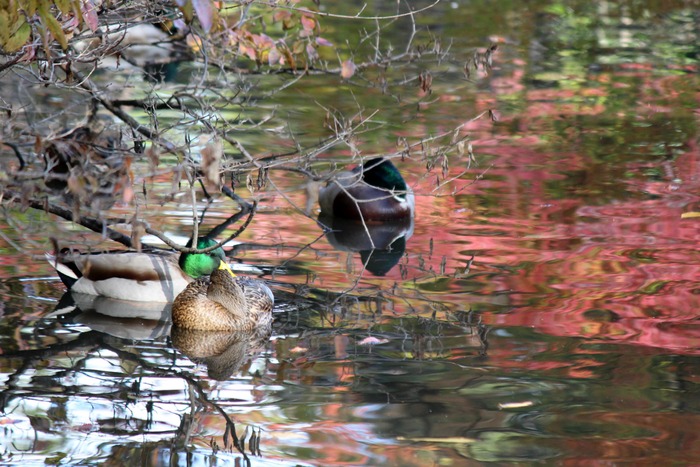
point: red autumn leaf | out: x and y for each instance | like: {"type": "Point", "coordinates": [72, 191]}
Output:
{"type": "Point", "coordinates": [249, 51]}
{"type": "Point", "coordinates": [71, 23]}
{"type": "Point", "coordinates": [281, 15]}
{"type": "Point", "coordinates": [128, 194]}
{"type": "Point", "coordinates": [205, 13]}
{"type": "Point", "coordinates": [372, 341]}
{"type": "Point", "coordinates": [263, 41]}
{"type": "Point", "coordinates": [348, 69]}
{"type": "Point", "coordinates": [90, 15]}
{"type": "Point", "coordinates": [308, 23]}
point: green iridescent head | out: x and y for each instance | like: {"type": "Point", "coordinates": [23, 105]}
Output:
{"type": "Point", "coordinates": [382, 173]}
{"type": "Point", "coordinates": [201, 264]}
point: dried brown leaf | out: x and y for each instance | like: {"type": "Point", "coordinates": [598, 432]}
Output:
{"type": "Point", "coordinates": [425, 80]}
{"type": "Point", "coordinates": [212, 154]}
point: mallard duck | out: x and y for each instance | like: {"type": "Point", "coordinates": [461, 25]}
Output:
{"type": "Point", "coordinates": [155, 276]}
{"type": "Point", "coordinates": [373, 191]}
{"type": "Point", "coordinates": [138, 44]}
{"type": "Point", "coordinates": [224, 302]}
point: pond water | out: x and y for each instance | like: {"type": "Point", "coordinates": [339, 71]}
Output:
{"type": "Point", "coordinates": [544, 307]}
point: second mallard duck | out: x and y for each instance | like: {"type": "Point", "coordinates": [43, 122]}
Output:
{"type": "Point", "coordinates": [155, 276]}
{"type": "Point", "coordinates": [224, 302]}
{"type": "Point", "coordinates": [373, 191]}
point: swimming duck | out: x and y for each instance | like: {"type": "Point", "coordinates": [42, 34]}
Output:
{"type": "Point", "coordinates": [155, 276]}
{"type": "Point", "coordinates": [373, 191]}
{"type": "Point", "coordinates": [224, 302]}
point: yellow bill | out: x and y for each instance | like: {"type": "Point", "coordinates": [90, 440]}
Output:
{"type": "Point", "coordinates": [224, 265]}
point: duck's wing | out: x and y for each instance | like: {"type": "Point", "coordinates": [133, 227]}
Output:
{"type": "Point", "coordinates": [257, 293]}
{"type": "Point", "coordinates": [335, 187]}
{"type": "Point", "coordinates": [260, 302]}
{"type": "Point", "coordinates": [133, 265]}
{"type": "Point", "coordinates": [139, 267]}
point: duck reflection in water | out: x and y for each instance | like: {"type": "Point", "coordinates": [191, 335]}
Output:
{"type": "Point", "coordinates": [381, 246]}
{"type": "Point", "coordinates": [223, 352]}
{"type": "Point", "coordinates": [118, 318]}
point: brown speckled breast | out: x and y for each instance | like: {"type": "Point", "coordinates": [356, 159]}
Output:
{"type": "Point", "coordinates": [193, 309]}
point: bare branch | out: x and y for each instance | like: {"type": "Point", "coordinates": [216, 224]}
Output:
{"type": "Point", "coordinates": [96, 225]}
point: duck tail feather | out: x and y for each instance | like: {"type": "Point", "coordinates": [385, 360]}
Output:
{"type": "Point", "coordinates": [68, 272]}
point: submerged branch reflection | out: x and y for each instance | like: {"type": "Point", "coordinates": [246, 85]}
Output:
{"type": "Point", "coordinates": [99, 382]}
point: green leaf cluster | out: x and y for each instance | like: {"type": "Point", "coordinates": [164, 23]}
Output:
{"type": "Point", "coordinates": [18, 16]}
{"type": "Point", "coordinates": [14, 29]}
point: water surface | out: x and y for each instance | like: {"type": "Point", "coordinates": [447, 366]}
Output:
{"type": "Point", "coordinates": [544, 309]}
